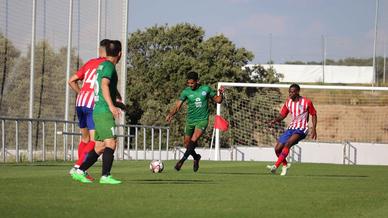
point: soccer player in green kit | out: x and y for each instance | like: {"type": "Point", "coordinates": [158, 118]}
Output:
{"type": "Point", "coordinates": [197, 97]}
{"type": "Point", "coordinates": [104, 115]}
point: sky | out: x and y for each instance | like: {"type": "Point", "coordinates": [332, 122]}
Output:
{"type": "Point", "coordinates": [277, 30]}
{"type": "Point", "coordinates": [281, 30]}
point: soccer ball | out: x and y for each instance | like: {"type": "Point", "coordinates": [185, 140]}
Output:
{"type": "Point", "coordinates": [156, 166]}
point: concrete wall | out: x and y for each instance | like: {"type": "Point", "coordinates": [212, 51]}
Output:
{"type": "Point", "coordinates": [305, 152]}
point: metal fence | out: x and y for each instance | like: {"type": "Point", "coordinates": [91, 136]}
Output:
{"type": "Point", "coordinates": [43, 42]}
{"type": "Point", "coordinates": [53, 142]}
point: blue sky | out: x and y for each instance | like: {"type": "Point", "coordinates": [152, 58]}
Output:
{"type": "Point", "coordinates": [295, 27]}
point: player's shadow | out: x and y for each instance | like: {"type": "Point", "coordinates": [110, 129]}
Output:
{"type": "Point", "coordinates": [338, 176]}
{"type": "Point", "coordinates": [172, 181]}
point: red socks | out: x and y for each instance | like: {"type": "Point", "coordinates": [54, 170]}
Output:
{"type": "Point", "coordinates": [83, 150]}
{"type": "Point", "coordinates": [282, 157]}
{"type": "Point", "coordinates": [284, 161]}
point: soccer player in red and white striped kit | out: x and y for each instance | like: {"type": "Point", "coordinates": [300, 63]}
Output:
{"type": "Point", "coordinates": [300, 108]}
{"type": "Point", "coordinates": [85, 103]}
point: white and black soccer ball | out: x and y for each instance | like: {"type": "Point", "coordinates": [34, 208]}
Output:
{"type": "Point", "coordinates": [156, 166]}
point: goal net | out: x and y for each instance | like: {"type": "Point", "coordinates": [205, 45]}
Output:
{"type": "Point", "coordinates": [345, 113]}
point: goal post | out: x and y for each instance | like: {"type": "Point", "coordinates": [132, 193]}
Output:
{"type": "Point", "coordinates": [345, 113]}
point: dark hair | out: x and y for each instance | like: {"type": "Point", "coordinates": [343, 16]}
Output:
{"type": "Point", "coordinates": [114, 48]}
{"type": "Point", "coordinates": [104, 43]}
{"type": "Point", "coordinates": [296, 86]}
{"type": "Point", "coordinates": [192, 75]}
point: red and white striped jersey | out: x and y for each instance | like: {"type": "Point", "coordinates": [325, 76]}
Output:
{"type": "Point", "coordinates": [300, 111]}
{"type": "Point", "coordinates": [87, 73]}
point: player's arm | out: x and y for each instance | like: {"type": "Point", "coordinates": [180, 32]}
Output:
{"type": "Point", "coordinates": [119, 102]}
{"type": "Point", "coordinates": [314, 127]}
{"type": "Point", "coordinates": [279, 118]}
{"type": "Point", "coordinates": [218, 98]}
{"type": "Point", "coordinates": [283, 114]}
{"type": "Point", "coordinates": [314, 119]}
{"type": "Point", "coordinates": [174, 110]}
{"type": "Point", "coordinates": [106, 93]}
{"type": "Point", "coordinates": [73, 83]}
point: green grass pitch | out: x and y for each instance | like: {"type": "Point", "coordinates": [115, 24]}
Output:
{"type": "Point", "coordinates": [219, 189]}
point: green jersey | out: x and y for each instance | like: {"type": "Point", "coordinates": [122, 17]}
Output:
{"type": "Point", "coordinates": [105, 70]}
{"type": "Point", "coordinates": [197, 102]}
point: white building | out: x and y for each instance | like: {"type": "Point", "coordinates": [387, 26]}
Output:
{"type": "Point", "coordinates": [316, 73]}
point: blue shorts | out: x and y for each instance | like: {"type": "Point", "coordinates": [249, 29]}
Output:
{"type": "Point", "coordinates": [289, 132]}
{"type": "Point", "coordinates": [85, 117]}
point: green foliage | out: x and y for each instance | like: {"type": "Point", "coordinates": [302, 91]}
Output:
{"type": "Point", "coordinates": [8, 55]}
{"type": "Point", "coordinates": [160, 57]}
{"type": "Point", "coordinates": [49, 84]}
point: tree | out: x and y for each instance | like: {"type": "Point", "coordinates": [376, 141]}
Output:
{"type": "Point", "coordinates": [160, 57]}
{"type": "Point", "coordinates": [8, 55]}
{"type": "Point", "coordinates": [49, 84]}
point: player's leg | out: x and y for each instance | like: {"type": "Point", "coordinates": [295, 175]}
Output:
{"type": "Point", "coordinates": [278, 150]}
{"type": "Point", "coordinates": [288, 140]}
{"type": "Point", "coordinates": [90, 132]}
{"type": "Point", "coordinates": [189, 131]}
{"type": "Point", "coordinates": [105, 132]}
{"type": "Point", "coordinates": [108, 156]}
{"type": "Point", "coordinates": [107, 162]}
{"type": "Point", "coordinates": [82, 123]}
{"type": "Point", "coordinates": [82, 146]}
{"type": "Point", "coordinates": [286, 149]}
{"type": "Point", "coordinates": [198, 132]}
{"type": "Point", "coordinates": [101, 129]}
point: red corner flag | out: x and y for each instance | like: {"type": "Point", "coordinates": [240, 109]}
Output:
{"type": "Point", "coordinates": [220, 123]}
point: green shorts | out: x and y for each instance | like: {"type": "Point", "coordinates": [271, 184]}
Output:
{"type": "Point", "coordinates": [191, 126]}
{"type": "Point", "coordinates": [105, 126]}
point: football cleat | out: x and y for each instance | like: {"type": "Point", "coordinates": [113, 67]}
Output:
{"type": "Point", "coordinates": [196, 163]}
{"type": "Point", "coordinates": [272, 168]}
{"type": "Point", "coordinates": [178, 165]}
{"type": "Point", "coordinates": [109, 180]}
{"type": "Point", "coordinates": [81, 177]}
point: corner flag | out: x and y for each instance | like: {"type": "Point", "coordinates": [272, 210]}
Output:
{"type": "Point", "coordinates": [220, 123]}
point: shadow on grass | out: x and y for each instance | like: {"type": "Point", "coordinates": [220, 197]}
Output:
{"type": "Point", "coordinates": [237, 173]}
{"type": "Point", "coordinates": [35, 165]}
{"type": "Point", "coordinates": [171, 181]}
{"type": "Point", "coordinates": [338, 176]}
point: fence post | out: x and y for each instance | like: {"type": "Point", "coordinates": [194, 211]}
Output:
{"type": "Point", "coordinates": [136, 139]}
{"type": "Point", "coordinates": [167, 141]}
{"type": "Point", "coordinates": [55, 141]}
{"type": "Point", "coordinates": [43, 142]}
{"type": "Point", "coordinates": [3, 139]}
{"type": "Point", "coordinates": [160, 143]}
{"type": "Point", "coordinates": [144, 141]}
{"type": "Point", "coordinates": [128, 142]}
{"type": "Point", "coordinates": [152, 141]}
{"type": "Point", "coordinates": [17, 141]}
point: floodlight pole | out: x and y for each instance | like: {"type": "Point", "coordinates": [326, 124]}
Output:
{"type": "Point", "coordinates": [270, 48]}
{"type": "Point", "coordinates": [32, 70]}
{"type": "Point", "coordinates": [98, 26]}
{"type": "Point", "coordinates": [323, 57]}
{"type": "Point", "coordinates": [68, 68]}
{"type": "Point", "coordinates": [374, 44]}
{"type": "Point", "coordinates": [385, 56]}
{"type": "Point", "coordinates": [123, 77]}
